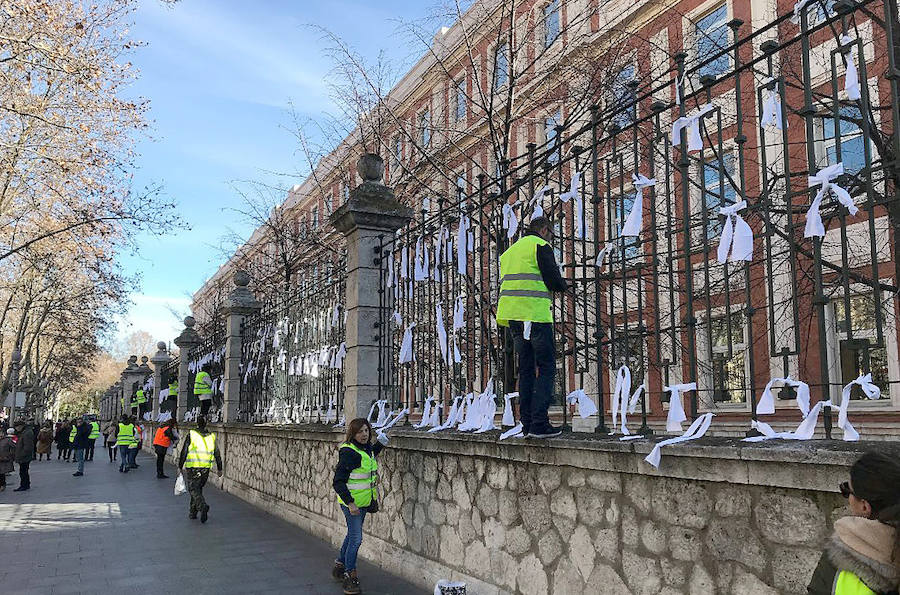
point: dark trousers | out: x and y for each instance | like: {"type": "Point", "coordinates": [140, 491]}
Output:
{"type": "Point", "coordinates": [113, 451]}
{"type": "Point", "coordinates": [160, 458]}
{"type": "Point", "coordinates": [2, 480]}
{"type": "Point", "coordinates": [24, 477]}
{"type": "Point", "coordinates": [195, 478]}
{"type": "Point", "coordinates": [537, 373]}
{"type": "Point", "coordinates": [205, 406]}
{"type": "Point", "coordinates": [90, 450]}
{"type": "Point", "coordinates": [142, 409]}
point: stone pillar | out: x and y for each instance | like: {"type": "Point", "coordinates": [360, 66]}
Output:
{"type": "Point", "coordinates": [239, 304]}
{"type": "Point", "coordinates": [372, 212]}
{"type": "Point", "coordinates": [159, 361]}
{"type": "Point", "coordinates": [187, 341]}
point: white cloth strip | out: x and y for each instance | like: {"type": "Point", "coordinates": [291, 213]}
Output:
{"type": "Point", "coordinates": [692, 124]}
{"type": "Point", "coordinates": [510, 221]}
{"type": "Point", "coordinates": [635, 220]}
{"type": "Point", "coordinates": [585, 405]}
{"type": "Point", "coordinates": [814, 225]}
{"type": "Point", "coordinates": [526, 330]}
{"type": "Point", "coordinates": [508, 418]}
{"type": "Point", "coordinates": [441, 332]}
{"type": "Point", "coordinates": [771, 110]}
{"type": "Point", "coordinates": [766, 404]}
{"type": "Point", "coordinates": [513, 432]}
{"type": "Point", "coordinates": [736, 242]}
{"type": "Point", "coordinates": [851, 78]}
{"type": "Point", "coordinates": [676, 407]}
{"type": "Point", "coordinates": [601, 256]}
{"type": "Point", "coordinates": [697, 430]}
{"type": "Point", "coordinates": [872, 392]}
{"type": "Point", "coordinates": [406, 345]}
{"type": "Point", "coordinates": [537, 202]}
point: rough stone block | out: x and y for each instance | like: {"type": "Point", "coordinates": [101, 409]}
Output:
{"type": "Point", "coordinates": [451, 548]}
{"type": "Point", "coordinates": [518, 541]}
{"type": "Point", "coordinates": [642, 574]}
{"type": "Point", "coordinates": [701, 581]}
{"type": "Point", "coordinates": [792, 567]}
{"type": "Point", "coordinates": [749, 584]}
{"type": "Point", "coordinates": [535, 512]}
{"type": "Point", "coordinates": [654, 537]}
{"type": "Point", "coordinates": [734, 539]}
{"type": "Point", "coordinates": [605, 481]}
{"type": "Point", "coordinates": [685, 544]}
{"type": "Point", "coordinates": [567, 579]}
{"type": "Point", "coordinates": [591, 506]}
{"type": "Point", "coordinates": [581, 551]}
{"type": "Point", "coordinates": [790, 519]}
{"type": "Point", "coordinates": [673, 573]}
{"type": "Point", "coordinates": [532, 577]}
{"type": "Point", "coordinates": [606, 542]}
{"type": "Point", "coordinates": [606, 575]}
{"type": "Point", "coordinates": [549, 547]}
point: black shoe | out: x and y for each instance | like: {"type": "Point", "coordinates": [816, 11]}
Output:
{"type": "Point", "coordinates": [192, 516]}
{"type": "Point", "coordinates": [351, 584]}
{"type": "Point", "coordinates": [549, 432]}
{"type": "Point", "coordinates": [21, 489]}
{"type": "Point", "coordinates": [162, 476]}
{"type": "Point", "coordinates": [337, 573]}
{"type": "Point", "coordinates": [77, 474]}
{"type": "Point", "coordinates": [204, 514]}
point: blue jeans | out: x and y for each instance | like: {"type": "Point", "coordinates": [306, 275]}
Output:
{"type": "Point", "coordinates": [79, 456]}
{"type": "Point", "coordinates": [123, 457]}
{"type": "Point", "coordinates": [132, 455]}
{"type": "Point", "coordinates": [537, 372]}
{"type": "Point", "coordinates": [353, 540]}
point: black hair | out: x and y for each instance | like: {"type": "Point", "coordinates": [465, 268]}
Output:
{"type": "Point", "coordinates": [201, 423]}
{"type": "Point", "coordinates": [539, 224]}
{"type": "Point", "coordinates": [875, 477]}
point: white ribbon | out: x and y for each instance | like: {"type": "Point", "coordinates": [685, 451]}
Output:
{"type": "Point", "coordinates": [621, 401]}
{"type": "Point", "coordinates": [676, 407]}
{"type": "Point", "coordinates": [814, 225]}
{"type": "Point", "coordinates": [526, 330]}
{"type": "Point", "coordinates": [339, 355]}
{"type": "Point", "coordinates": [452, 416]}
{"type": "Point", "coordinates": [510, 222]}
{"type": "Point", "coordinates": [508, 418]}
{"type": "Point", "coordinates": [512, 432]}
{"type": "Point", "coordinates": [697, 430]}
{"type": "Point", "coordinates": [798, 10]}
{"type": "Point", "coordinates": [377, 403]}
{"type": "Point", "coordinates": [635, 220]}
{"type": "Point", "coordinates": [459, 313]}
{"type": "Point", "coordinates": [736, 242]}
{"type": "Point", "coordinates": [462, 241]}
{"type": "Point", "coordinates": [422, 261]}
{"type": "Point", "coordinates": [406, 345]}
{"type": "Point", "coordinates": [335, 316]}
{"type": "Point", "coordinates": [601, 256]}
{"type": "Point", "coordinates": [851, 79]}
{"type": "Point", "coordinates": [538, 202]}
{"type": "Point", "coordinates": [586, 405]}
{"type": "Point", "coordinates": [404, 262]}
{"type": "Point", "coordinates": [766, 404]}
{"type": "Point", "coordinates": [573, 193]}
{"type": "Point", "coordinates": [771, 110]}
{"type": "Point", "coordinates": [435, 419]}
{"type": "Point", "coordinates": [441, 332]}
{"type": "Point", "coordinates": [804, 431]}
{"type": "Point", "coordinates": [426, 414]}
{"type": "Point", "coordinates": [872, 392]}
{"type": "Point", "coordinates": [692, 123]}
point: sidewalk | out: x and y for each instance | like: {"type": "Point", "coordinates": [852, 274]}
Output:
{"type": "Point", "coordinates": [112, 533]}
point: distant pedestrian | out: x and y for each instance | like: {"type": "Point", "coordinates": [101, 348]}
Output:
{"type": "Point", "coordinates": [63, 447]}
{"type": "Point", "coordinates": [124, 441]}
{"type": "Point", "coordinates": [163, 439]}
{"type": "Point", "coordinates": [203, 389]}
{"type": "Point", "coordinates": [109, 439]}
{"type": "Point", "coordinates": [7, 455]}
{"type": "Point", "coordinates": [80, 443]}
{"type": "Point", "coordinates": [355, 479]}
{"type": "Point", "coordinates": [197, 455]}
{"type": "Point", "coordinates": [44, 442]}
{"type": "Point", "coordinates": [92, 439]}
{"type": "Point", "coordinates": [863, 556]}
{"type": "Point", "coordinates": [24, 454]}
{"type": "Point", "coordinates": [136, 445]}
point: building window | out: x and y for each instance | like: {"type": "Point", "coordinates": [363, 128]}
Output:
{"type": "Point", "coordinates": [425, 128]}
{"type": "Point", "coordinates": [315, 217]}
{"type": "Point", "coordinates": [818, 11]}
{"type": "Point", "coordinates": [729, 351]}
{"type": "Point", "coordinates": [623, 97]}
{"type": "Point", "coordinates": [501, 66]}
{"type": "Point", "coordinates": [459, 100]}
{"type": "Point", "coordinates": [853, 153]}
{"type": "Point", "coordinates": [621, 207]}
{"type": "Point", "coordinates": [856, 338]}
{"type": "Point", "coordinates": [551, 23]}
{"type": "Point", "coordinates": [712, 36]}
{"type": "Point", "coordinates": [718, 191]}
{"type": "Point", "coordinates": [550, 124]}
{"type": "Point", "coordinates": [345, 192]}
{"type": "Point", "coordinates": [628, 349]}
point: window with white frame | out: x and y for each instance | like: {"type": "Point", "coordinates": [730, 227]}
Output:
{"type": "Point", "coordinates": [858, 351]}
{"type": "Point", "coordinates": [718, 191]}
{"type": "Point", "coordinates": [551, 22]}
{"type": "Point", "coordinates": [501, 66]}
{"type": "Point", "coordinates": [628, 349]}
{"type": "Point", "coordinates": [623, 97]}
{"type": "Point", "coordinates": [620, 207]}
{"type": "Point", "coordinates": [315, 217]}
{"type": "Point", "coordinates": [551, 122]}
{"type": "Point", "coordinates": [711, 36]}
{"type": "Point", "coordinates": [846, 130]}
{"type": "Point", "coordinates": [729, 358]}
{"type": "Point", "coordinates": [425, 128]}
{"type": "Point", "coordinates": [459, 100]}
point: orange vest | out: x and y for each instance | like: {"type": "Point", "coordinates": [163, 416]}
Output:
{"type": "Point", "coordinates": [161, 438]}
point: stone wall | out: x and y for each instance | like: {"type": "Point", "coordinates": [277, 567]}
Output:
{"type": "Point", "coordinates": [568, 516]}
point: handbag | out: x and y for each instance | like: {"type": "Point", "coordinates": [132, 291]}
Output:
{"type": "Point", "coordinates": [372, 508]}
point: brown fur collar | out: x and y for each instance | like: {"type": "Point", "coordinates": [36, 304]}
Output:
{"type": "Point", "coordinates": [863, 547]}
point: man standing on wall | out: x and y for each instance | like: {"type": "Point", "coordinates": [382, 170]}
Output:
{"type": "Point", "coordinates": [197, 455]}
{"type": "Point", "coordinates": [203, 389]}
{"type": "Point", "coordinates": [528, 273]}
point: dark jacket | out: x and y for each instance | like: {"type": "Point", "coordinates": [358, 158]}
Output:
{"type": "Point", "coordinates": [546, 262]}
{"type": "Point", "coordinates": [62, 436]}
{"type": "Point", "coordinates": [187, 442]}
{"type": "Point", "coordinates": [863, 547]}
{"type": "Point", "coordinates": [348, 460]}
{"type": "Point", "coordinates": [25, 445]}
{"type": "Point", "coordinates": [7, 454]}
{"type": "Point", "coordinates": [81, 436]}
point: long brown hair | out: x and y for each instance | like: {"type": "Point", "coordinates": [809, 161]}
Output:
{"type": "Point", "coordinates": [355, 426]}
{"type": "Point", "coordinates": [875, 477]}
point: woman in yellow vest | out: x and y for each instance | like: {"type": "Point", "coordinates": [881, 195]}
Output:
{"type": "Point", "coordinates": [863, 556]}
{"type": "Point", "coordinates": [355, 480]}
{"type": "Point", "coordinates": [124, 441]}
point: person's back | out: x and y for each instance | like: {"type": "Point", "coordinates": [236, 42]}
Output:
{"type": "Point", "coordinates": [25, 446]}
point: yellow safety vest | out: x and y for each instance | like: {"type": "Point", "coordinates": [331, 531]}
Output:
{"type": "Point", "coordinates": [140, 396]}
{"type": "Point", "coordinates": [848, 583]}
{"type": "Point", "coordinates": [201, 450]}
{"type": "Point", "coordinates": [125, 437]}
{"type": "Point", "coordinates": [72, 434]}
{"type": "Point", "coordinates": [95, 431]}
{"type": "Point", "coordinates": [523, 294]}
{"type": "Point", "coordinates": [363, 479]}
{"type": "Point", "coordinates": [173, 390]}
{"type": "Point", "coordinates": [202, 384]}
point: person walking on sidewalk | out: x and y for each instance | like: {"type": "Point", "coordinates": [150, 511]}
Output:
{"type": "Point", "coordinates": [7, 455]}
{"type": "Point", "coordinates": [124, 441]}
{"type": "Point", "coordinates": [62, 441]}
{"type": "Point", "coordinates": [109, 439]}
{"type": "Point", "coordinates": [163, 439]}
{"type": "Point", "coordinates": [92, 439]}
{"type": "Point", "coordinates": [44, 442]}
{"type": "Point", "coordinates": [355, 479]}
{"type": "Point", "coordinates": [197, 455]}
{"type": "Point", "coordinates": [136, 445]}
{"type": "Point", "coordinates": [80, 443]}
{"type": "Point", "coordinates": [528, 273]}
{"type": "Point", "coordinates": [24, 454]}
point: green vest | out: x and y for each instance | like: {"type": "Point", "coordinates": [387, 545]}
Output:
{"type": "Point", "coordinates": [133, 402]}
{"type": "Point", "coordinates": [201, 450]}
{"type": "Point", "coordinates": [202, 384]}
{"type": "Point", "coordinates": [72, 434]}
{"type": "Point", "coordinates": [140, 396]}
{"type": "Point", "coordinates": [95, 431]}
{"type": "Point", "coordinates": [848, 583]}
{"type": "Point", "coordinates": [125, 437]}
{"type": "Point", "coordinates": [173, 390]}
{"type": "Point", "coordinates": [363, 479]}
{"type": "Point", "coordinates": [523, 294]}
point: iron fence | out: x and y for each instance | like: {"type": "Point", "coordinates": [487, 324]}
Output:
{"type": "Point", "coordinates": [757, 137]}
{"type": "Point", "coordinates": [168, 403]}
{"type": "Point", "coordinates": [293, 349]}
{"type": "Point", "coordinates": [209, 355]}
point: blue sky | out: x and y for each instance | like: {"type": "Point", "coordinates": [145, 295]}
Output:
{"type": "Point", "coordinates": [220, 75]}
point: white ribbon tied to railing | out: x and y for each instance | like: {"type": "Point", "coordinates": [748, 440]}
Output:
{"type": "Point", "coordinates": [426, 414]}
{"type": "Point", "coordinates": [621, 401]}
{"type": "Point", "coordinates": [600, 260]}
{"type": "Point", "coordinates": [736, 242]}
{"type": "Point", "coordinates": [510, 221]}
{"type": "Point", "coordinates": [406, 345]}
{"type": "Point", "coordinates": [771, 110]}
{"type": "Point", "coordinates": [441, 332]}
{"type": "Point", "coordinates": [508, 419]}
{"type": "Point", "coordinates": [585, 405]}
{"type": "Point", "coordinates": [814, 225]}
{"type": "Point", "coordinates": [851, 78]}
{"type": "Point", "coordinates": [512, 432]}
{"type": "Point", "coordinates": [452, 416]}
{"type": "Point", "coordinates": [695, 431]}
{"type": "Point", "coordinates": [635, 220]}
{"type": "Point", "coordinates": [573, 194]}
{"type": "Point", "coordinates": [537, 202]}
{"type": "Point", "coordinates": [872, 392]}
{"type": "Point", "coordinates": [766, 404]}
{"type": "Point", "coordinates": [676, 408]}
{"type": "Point", "coordinates": [422, 261]}
{"type": "Point", "coordinates": [692, 124]}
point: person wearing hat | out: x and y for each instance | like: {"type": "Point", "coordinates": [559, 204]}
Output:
{"type": "Point", "coordinates": [24, 454]}
{"type": "Point", "coordinates": [7, 455]}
